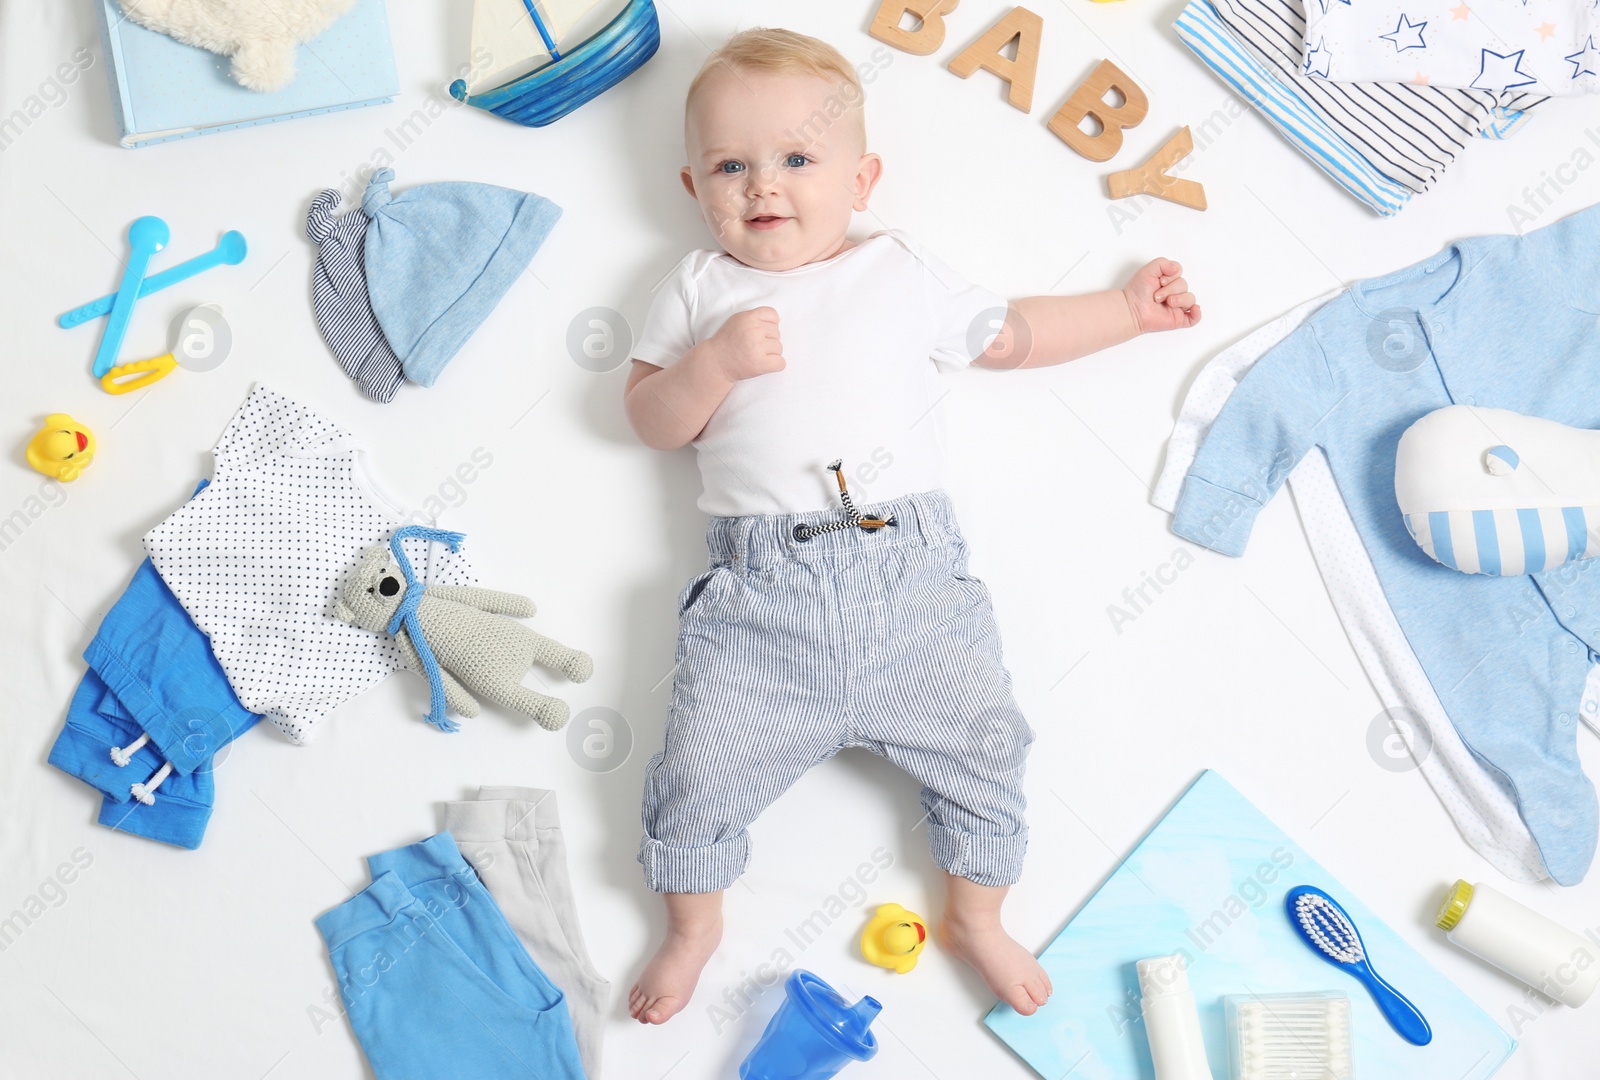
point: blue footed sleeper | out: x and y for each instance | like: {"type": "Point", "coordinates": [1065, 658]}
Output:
{"type": "Point", "coordinates": [1498, 321]}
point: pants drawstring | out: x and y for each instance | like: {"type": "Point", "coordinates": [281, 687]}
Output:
{"type": "Point", "coordinates": [121, 755]}
{"type": "Point", "coordinates": [852, 519]}
{"type": "Point", "coordinates": [146, 792]}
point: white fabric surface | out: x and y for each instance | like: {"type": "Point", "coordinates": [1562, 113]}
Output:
{"type": "Point", "coordinates": [863, 334]}
{"type": "Point", "coordinates": [191, 965]}
{"type": "Point", "coordinates": [1482, 808]}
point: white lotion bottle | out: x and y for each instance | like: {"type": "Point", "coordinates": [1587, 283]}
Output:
{"type": "Point", "coordinates": [1521, 942]}
{"type": "Point", "coordinates": [1171, 1019]}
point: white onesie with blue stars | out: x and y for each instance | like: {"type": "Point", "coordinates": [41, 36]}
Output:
{"type": "Point", "coordinates": [1525, 46]}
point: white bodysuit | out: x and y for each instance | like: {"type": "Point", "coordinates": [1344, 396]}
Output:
{"type": "Point", "coordinates": [864, 335]}
{"type": "Point", "coordinates": [257, 559]}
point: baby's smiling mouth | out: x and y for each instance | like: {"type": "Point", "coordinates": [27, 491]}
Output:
{"type": "Point", "coordinates": [765, 221]}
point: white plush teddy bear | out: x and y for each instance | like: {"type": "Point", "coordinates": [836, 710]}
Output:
{"type": "Point", "coordinates": [260, 35]}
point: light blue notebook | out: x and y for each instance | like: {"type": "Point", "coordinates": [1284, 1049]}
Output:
{"type": "Point", "coordinates": [1210, 879]}
{"type": "Point", "coordinates": [163, 90]}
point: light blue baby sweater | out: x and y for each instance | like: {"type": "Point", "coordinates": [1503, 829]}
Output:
{"type": "Point", "coordinates": [1501, 321]}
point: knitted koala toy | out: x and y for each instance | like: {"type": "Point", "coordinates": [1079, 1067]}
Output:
{"type": "Point", "coordinates": [468, 641]}
{"type": "Point", "coordinates": [260, 35]}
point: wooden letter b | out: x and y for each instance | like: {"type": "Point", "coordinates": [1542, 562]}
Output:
{"type": "Point", "coordinates": [1090, 100]}
{"type": "Point", "coordinates": [924, 39]}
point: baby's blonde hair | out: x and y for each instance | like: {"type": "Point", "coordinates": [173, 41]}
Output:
{"type": "Point", "coordinates": [775, 50]}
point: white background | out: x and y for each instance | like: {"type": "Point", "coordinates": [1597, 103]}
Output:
{"type": "Point", "coordinates": [172, 964]}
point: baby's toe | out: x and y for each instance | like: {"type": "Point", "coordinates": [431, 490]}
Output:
{"type": "Point", "coordinates": [1038, 989]}
{"type": "Point", "coordinates": [1020, 1000]}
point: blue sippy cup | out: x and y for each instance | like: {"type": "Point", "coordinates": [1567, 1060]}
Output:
{"type": "Point", "coordinates": [813, 1034]}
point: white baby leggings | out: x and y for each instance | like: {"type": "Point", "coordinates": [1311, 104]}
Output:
{"type": "Point", "coordinates": [512, 837]}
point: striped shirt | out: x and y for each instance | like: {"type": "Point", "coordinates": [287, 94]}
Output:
{"type": "Point", "coordinates": [1382, 142]}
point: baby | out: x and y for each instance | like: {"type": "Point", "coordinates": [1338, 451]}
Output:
{"type": "Point", "coordinates": [823, 624]}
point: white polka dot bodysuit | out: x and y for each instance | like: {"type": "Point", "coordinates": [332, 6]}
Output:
{"type": "Point", "coordinates": [258, 557]}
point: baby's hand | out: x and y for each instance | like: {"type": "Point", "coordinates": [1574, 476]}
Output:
{"type": "Point", "coordinates": [1160, 299]}
{"type": "Point", "coordinates": [748, 344]}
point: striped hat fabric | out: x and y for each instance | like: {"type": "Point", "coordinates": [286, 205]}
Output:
{"type": "Point", "coordinates": [339, 294]}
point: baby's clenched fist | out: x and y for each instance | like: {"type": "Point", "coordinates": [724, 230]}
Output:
{"type": "Point", "coordinates": [748, 344]}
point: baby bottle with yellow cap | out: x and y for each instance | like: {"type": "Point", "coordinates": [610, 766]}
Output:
{"type": "Point", "coordinates": [1520, 942]}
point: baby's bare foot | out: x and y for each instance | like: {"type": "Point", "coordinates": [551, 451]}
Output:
{"type": "Point", "coordinates": [1012, 973]}
{"type": "Point", "coordinates": [670, 976]}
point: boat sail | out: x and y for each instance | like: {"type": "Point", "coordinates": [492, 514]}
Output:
{"type": "Point", "coordinates": [541, 59]}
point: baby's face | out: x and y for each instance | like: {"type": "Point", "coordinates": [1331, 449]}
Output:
{"type": "Point", "coordinates": [776, 178]}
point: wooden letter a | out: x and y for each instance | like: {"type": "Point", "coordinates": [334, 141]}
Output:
{"type": "Point", "coordinates": [1026, 29]}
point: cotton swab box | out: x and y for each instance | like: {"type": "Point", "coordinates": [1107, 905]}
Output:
{"type": "Point", "coordinates": [1289, 1036]}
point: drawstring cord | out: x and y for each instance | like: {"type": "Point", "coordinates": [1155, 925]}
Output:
{"type": "Point", "coordinates": [852, 518]}
{"type": "Point", "coordinates": [121, 755]}
{"type": "Point", "coordinates": [145, 792]}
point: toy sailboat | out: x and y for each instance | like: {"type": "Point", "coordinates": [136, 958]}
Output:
{"type": "Point", "coordinates": [534, 61]}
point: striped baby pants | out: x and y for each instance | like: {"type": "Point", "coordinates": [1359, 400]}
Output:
{"type": "Point", "coordinates": [791, 649]}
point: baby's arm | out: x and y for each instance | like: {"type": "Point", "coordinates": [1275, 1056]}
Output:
{"type": "Point", "coordinates": [669, 407]}
{"type": "Point", "coordinates": [1044, 330]}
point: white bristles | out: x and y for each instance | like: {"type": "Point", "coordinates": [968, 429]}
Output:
{"type": "Point", "coordinates": [1293, 1038]}
{"type": "Point", "coordinates": [1329, 929]}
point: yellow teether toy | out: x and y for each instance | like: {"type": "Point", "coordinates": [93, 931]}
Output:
{"type": "Point", "coordinates": [63, 448]}
{"type": "Point", "coordinates": [139, 374]}
{"type": "Point", "coordinates": [894, 938]}
{"type": "Point", "coordinates": [203, 341]}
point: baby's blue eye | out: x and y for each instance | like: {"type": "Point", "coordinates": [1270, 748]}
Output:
{"type": "Point", "coordinates": [731, 167]}
{"type": "Point", "coordinates": [796, 161]}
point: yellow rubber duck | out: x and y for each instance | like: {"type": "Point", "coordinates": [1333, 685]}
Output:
{"type": "Point", "coordinates": [894, 938]}
{"type": "Point", "coordinates": [63, 448]}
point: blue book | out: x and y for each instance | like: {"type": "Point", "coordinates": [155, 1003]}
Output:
{"type": "Point", "coordinates": [1209, 880]}
{"type": "Point", "coordinates": [162, 89]}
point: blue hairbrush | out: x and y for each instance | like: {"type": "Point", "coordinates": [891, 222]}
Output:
{"type": "Point", "coordinates": [1332, 935]}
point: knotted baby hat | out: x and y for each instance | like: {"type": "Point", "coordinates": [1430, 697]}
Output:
{"type": "Point", "coordinates": [440, 256]}
{"type": "Point", "coordinates": [403, 281]}
{"type": "Point", "coordinates": [339, 293]}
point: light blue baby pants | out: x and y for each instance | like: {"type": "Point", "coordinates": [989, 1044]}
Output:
{"type": "Point", "coordinates": [790, 650]}
{"type": "Point", "coordinates": [435, 981]}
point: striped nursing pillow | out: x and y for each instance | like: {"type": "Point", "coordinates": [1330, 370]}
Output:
{"type": "Point", "coordinates": [1490, 491]}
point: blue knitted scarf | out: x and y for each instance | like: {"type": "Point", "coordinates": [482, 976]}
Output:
{"type": "Point", "coordinates": [406, 614]}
